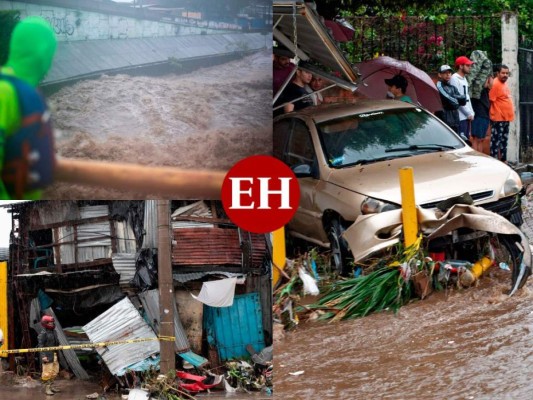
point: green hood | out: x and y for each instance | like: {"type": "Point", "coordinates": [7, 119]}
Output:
{"type": "Point", "coordinates": [31, 50]}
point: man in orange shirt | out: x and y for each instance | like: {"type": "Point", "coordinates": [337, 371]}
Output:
{"type": "Point", "coordinates": [501, 113]}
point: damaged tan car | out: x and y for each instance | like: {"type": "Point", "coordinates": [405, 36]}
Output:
{"type": "Point", "coordinates": [347, 159]}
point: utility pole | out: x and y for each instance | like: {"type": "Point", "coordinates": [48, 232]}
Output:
{"type": "Point", "coordinates": [510, 58]}
{"type": "Point", "coordinates": [166, 287]}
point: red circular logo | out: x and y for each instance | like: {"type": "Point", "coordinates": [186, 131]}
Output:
{"type": "Point", "coordinates": [260, 194]}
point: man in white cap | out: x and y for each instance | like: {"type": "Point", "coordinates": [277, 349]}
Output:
{"type": "Point", "coordinates": [450, 97]}
{"type": "Point", "coordinates": [463, 66]}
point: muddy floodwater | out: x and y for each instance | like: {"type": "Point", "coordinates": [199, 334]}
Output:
{"type": "Point", "coordinates": [464, 344]}
{"type": "Point", "coordinates": [207, 119]}
{"type": "Point", "coordinates": [473, 344]}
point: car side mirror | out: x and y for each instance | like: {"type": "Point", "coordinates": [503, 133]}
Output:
{"type": "Point", "coordinates": [302, 170]}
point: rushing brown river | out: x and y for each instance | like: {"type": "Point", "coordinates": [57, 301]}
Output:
{"type": "Point", "coordinates": [471, 344]}
{"type": "Point", "coordinates": [207, 119]}
{"type": "Point", "coordinates": [465, 344]}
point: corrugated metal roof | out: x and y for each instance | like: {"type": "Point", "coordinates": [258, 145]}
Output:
{"type": "Point", "coordinates": [214, 246]}
{"type": "Point", "coordinates": [122, 322]}
{"type": "Point", "coordinates": [124, 264]}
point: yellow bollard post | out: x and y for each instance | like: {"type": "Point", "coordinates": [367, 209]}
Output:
{"type": "Point", "coordinates": [409, 218]}
{"type": "Point", "coordinates": [278, 254]}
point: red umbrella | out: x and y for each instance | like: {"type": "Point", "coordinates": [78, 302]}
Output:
{"type": "Point", "coordinates": [421, 88]}
{"type": "Point", "coordinates": [341, 33]}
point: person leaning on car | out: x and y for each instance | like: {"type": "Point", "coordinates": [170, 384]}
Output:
{"type": "Point", "coordinates": [450, 97]}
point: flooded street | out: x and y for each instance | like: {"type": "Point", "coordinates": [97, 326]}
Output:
{"type": "Point", "coordinates": [207, 119]}
{"type": "Point", "coordinates": [464, 344]}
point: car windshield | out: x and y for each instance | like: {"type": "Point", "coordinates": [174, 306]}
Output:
{"type": "Point", "coordinates": [383, 135]}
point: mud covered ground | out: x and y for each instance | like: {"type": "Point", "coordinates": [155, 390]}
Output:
{"type": "Point", "coordinates": [208, 119]}
{"type": "Point", "coordinates": [26, 388]}
{"type": "Point", "coordinates": [463, 344]}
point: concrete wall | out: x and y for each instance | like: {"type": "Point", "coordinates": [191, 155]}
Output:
{"type": "Point", "coordinates": [71, 24]}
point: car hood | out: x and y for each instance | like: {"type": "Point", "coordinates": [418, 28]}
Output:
{"type": "Point", "coordinates": [437, 176]}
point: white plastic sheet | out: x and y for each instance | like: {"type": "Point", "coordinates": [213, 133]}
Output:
{"type": "Point", "coordinates": [217, 293]}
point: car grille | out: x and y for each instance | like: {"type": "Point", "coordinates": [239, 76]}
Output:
{"type": "Point", "coordinates": [476, 197]}
{"type": "Point", "coordinates": [509, 207]}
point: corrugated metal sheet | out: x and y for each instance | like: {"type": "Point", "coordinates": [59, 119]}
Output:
{"type": "Point", "coordinates": [70, 355]}
{"type": "Point", "coordinates": [94, 211]}
{"type": "Point", "coordinates": [66, 251]}
{"type": "Point", "coordinates": [125, 237]}
{"type": "Point", "coordinates": [197, 209]}
{"type": "Point", "coordinates": [4, 253]}
{"type": "Point", "coordinates": [150, 302]}
{"type": "Point", "coordinates": [150, 224]}
{"type": "Point", "coordinates": [98, 234]}
{"type": "Point", "coordinates": [190, 224]}
{"type": "Point", "coordinates": [231, 329]}
{"type": "Point", "coordinates": [124, 264]}
{"type": "Point", "coordinates": [51, 212]}
{"type": "Point", "coordinates": [192, 276]}
{"type": "Point", "coordinates": [214, 246]}
{"type": "Point", "coordinates": [122, 322]}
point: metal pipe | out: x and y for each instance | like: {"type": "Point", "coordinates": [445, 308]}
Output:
{"type": "Point", "coordinates": [409, 217]}
{"type": "Point", "coordinates": [145, 180]}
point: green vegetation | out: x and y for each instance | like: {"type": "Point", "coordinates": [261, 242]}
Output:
{"type": "Point", "coordinates": [433, 11]}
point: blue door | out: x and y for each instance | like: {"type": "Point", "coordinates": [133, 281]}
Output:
{"type": "Point", "coordinates": [231, 329]}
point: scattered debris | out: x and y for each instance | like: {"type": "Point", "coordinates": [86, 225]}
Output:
{"type": "Point", "coordinates": [297, 373]}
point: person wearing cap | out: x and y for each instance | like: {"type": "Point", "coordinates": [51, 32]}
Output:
{"type": "Point", "coordinates": [450, 97]}
{"type": "Point", "coordinates": [501, 113]}
{"type": "Point", "coordinates": [463, 66]}
{"type": "Point", "coordinates": [50, 365]}
{"type": "Point", "coordinates": [397, 86]}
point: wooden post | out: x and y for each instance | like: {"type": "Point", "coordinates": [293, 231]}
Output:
{"type": "Point", "coordinates": [166, 288]}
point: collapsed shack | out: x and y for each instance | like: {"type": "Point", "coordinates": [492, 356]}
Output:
{"type": "Point", "coordinates": [93, 265]}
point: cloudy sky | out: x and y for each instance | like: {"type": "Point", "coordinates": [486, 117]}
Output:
{"type": "Point", "coordinates": [5, 223]}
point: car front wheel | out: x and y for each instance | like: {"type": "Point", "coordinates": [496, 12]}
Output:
{"type": "Point", "coordinates": [340, 253]}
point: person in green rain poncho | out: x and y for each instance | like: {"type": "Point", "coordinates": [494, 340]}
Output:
{"type": "Point", "coordinates": [27, 154]}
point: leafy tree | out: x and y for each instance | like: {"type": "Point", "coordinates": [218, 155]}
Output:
{"type": "Point", "coordinates": [433, 10]}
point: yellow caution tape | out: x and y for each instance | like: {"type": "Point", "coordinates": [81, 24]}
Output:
{"type": "Point", "coordinates": [87, 345]}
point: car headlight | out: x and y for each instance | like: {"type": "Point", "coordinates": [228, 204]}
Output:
{"type": "Point", "coordinates": [374, 206]}
{"type": "Point", "coordinates": [512, 185]}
